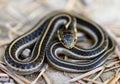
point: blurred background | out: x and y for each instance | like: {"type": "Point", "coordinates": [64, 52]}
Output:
{"type": "Point", "coordinates": [18, 16]}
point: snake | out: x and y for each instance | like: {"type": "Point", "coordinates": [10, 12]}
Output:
{"type": "Point", "coordinates": [57, 33]}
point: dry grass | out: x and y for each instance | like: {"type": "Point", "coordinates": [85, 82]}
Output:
{"type": "Point", "coordinates": [15, 21]}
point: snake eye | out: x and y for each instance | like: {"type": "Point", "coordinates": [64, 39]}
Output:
{"type": "Point", "coordinates": [75, 40]}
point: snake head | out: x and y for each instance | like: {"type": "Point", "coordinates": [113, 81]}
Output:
{"type": "Point", "coordinates": [67, 37]}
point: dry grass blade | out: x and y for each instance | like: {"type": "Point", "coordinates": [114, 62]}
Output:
{"type": "Point", "coordinates": [112, 68]}
{"type": "Point", "coordinates": [113, 57]}
{"type": "Point", "coordinates": [108, 80]}
{"type": "Point", "coordinates": [46, 79]}
{"type": "Point", "coordinates": [11, 75]}
{"type": "Point", "coordinates": [81, 82]}
{"type": "Point", "coordinates": [5, 79]}
{"type": "Point", "coordinates": [22, 78]}
{"type": "Point", "coordinates": [85, 74]}
{"type": "Point", "coordinates": [98, 75]}
{"type": "Point", "coordinates": [16, 78]}
{"type": "Point", "coordinates": [91, 80]}
{"type": "Point", "coordinates": [3, 75]}
{"type": "Point", "coordinates": [112, 64]}
{"type": "Point", "coordinates": [4, 42]}
{"type": "Point", "coordinates": [113, 79]}
{"type": "Point", "coordinates": [42, 71]}
{"type": "Point", "coordinates": [14, 30]}
{"type": "Point", "coordinates": [2, 63]}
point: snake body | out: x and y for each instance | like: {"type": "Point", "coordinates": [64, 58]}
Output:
{"type": "Point", "coordinates": [56, 34]}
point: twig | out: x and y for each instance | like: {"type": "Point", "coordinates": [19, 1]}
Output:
{"type": "Point", "coordinates": [112, 68]}
{"type": "Point", "coordinates": [14, 76]}
{"type": "Point", "coordinates": [46, 79]}
{"type": "Point", "coordinates": [79, 81]}
{"type": "Point", "coordinates": [114, 79]}
{"type": "Point", "coordinates": [14, 30]}
{"type": "Point", "coordinates": [98, 75]}
{"type": "Point", "coordinates": [4, 42]}
{"type": "Point", "coordinates": [108, 80]}
{"type": "Point", "coordinates": [112, 64]}
{"type": "Point", "coordinates": [42, 71]}
{"type": "Point", "coordinates": [91, 80]}
{"type": "Point", "coordinates": [85, 74]}
{"type": "Point", "coordinates": [4, 69]}
{"type": "Point", "coordinates": [113, 57]}
{"type": "Point", "coordinates": [3, 75]}
{"type": "Point", "coordinates": [22, 78]}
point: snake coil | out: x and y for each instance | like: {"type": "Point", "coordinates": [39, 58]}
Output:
{"type": "Point", "coordinates": [56, 34]}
